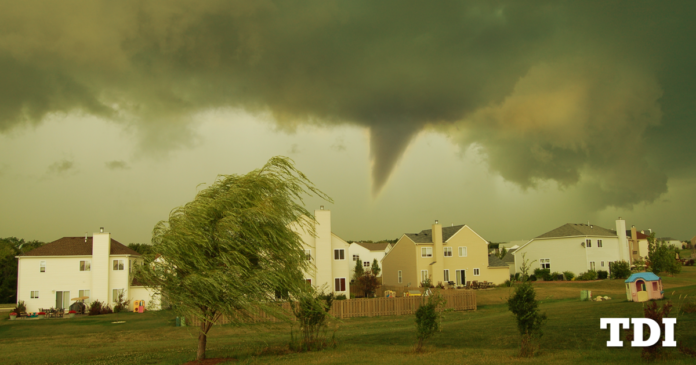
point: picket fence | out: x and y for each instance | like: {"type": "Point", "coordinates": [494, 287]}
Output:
{"type": "Point", "coordinates": [366, 307]}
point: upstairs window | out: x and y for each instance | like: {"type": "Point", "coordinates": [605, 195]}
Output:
{"type": "Point", "coordinates": [85, 265]}
{"type": "Point", "coordinates": [477, 272]}
{"type": "Point", "coordinates": [339, 254]}
{"type": "Point", "coordinates": [599, 243]}
{"type": "Point", "coordinates": [308, 254]}
{"type": "Point", "coordinates": [119, 265]}
{"type": "Point", "coordinates": [462, 252]}
{"type": "Point", "coordinates": [366, 263]}
{"type": "Point", "coordinates": [545, 263]}
{"type": "Point", "coordinates": [448, 251]}
{"type": "Point", "coordinates": [588, 243]}
{"type": "Point", "coordinates": [34, 294]}
{"type": "Point", "coordinates": [356, 257]}
{"type": "Point", "coordinates": [426, 252]}
{"type": "Point", "coordinates": [42, 267]}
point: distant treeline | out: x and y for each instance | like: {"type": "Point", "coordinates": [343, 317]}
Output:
{"type": "Point", "coordinates": [9, 248]}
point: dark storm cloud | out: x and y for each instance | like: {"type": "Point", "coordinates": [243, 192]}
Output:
{"type": "Point", "coordinates": [391, 66]}
{"type": "Point", "coordinates": [116, 165]}
{"type": "Point", "coordinates": [61, 167]}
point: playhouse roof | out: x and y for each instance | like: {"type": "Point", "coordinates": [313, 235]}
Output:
{"type": "Point", "coordinates": [647, 276]}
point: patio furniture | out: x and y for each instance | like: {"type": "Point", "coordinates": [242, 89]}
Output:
{"type": "Point", "coordinates": [484, 285]}
{"type": "Point", "coordinates": [475, 284]}
{"type": "Point", "coordinates": [468, 285]}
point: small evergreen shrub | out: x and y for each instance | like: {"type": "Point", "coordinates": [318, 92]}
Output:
{"type": "Point", "coordinates": [428, 319]}
{"type": "Point", "coordinates": [601, 274]}
{"type": "Point", "coordinates": [517, 276]}
{"type": "Point", "coordinates": [590, 275]}
{"type": "Point", "coordinates": [524, 306]}
{"type": "Point", "coordinates": [532, 278]}
{"type": "Point", "coordinates": [620, 270]}
{"type": "Point", "coordinates": [543, 273]}
{"type": "Point", "coordinates": [20, 308]}
{"type": "Point", "coordinates": [568, 275]}
{"type": "Point", "coordinates": [341, 297]}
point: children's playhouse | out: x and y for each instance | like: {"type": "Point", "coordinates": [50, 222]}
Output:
{"type": "Point", "coordinates": [643, 286]}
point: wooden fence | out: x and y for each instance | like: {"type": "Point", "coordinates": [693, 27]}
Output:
{"type": "Point", "coordinates": [369, 307]}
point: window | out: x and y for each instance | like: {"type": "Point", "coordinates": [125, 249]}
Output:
{"type": "Point", "coordinates": [460, 275]}
{"type": "Point", "coordinates": [118, 265]}
{"type": "Point", "coordinates": [462, 251]}
{"type": "Point", "coordinates": [588, 243]}
{"type": "Point", "coordinates": [43, 266]}
{"type": "Point", "coordinates": [592, 266]}
{"type": "Point", "coordinates": [601, 264]}
{"type": "Point", "coordinates": [545, 263]}
{"type": "Point", "coordinates": [426, 252]}
{"type": "Point", "coordinates": [84, 293]}
{"type": "Point", "coordinates": [654, 285]}
{"type": "Point", "coordinates": [339, 254]}
{"type": "Point", "coordinates": [356, 257]}
{"type": "Point", "coordinates": [340, 284]}
{"type": "Point", "coordinates": [424, 275]}
{"type": "Point", "coordinates": [448, 251]}
{"type": "Point", "coordinates": [116, 293]}
{"type": "Point", "coordinates": [446, 276]}
{"type": "Point", "coordinates": [308, 281]}
{"type": "Point", "coordinates": [366, 263]}
{"type": "Point", "coordinates": [307, 254]}
{"type": "Point", "coordinates": [84, 265]}
{"type": "Point", "coordinates": [477, 272]}
{"type": "Point", "coordinates": [399, 276]}
{"type": "Point", "coordinates": [34, 294]}
{"type": "Point", "coordinates": [599, 243]}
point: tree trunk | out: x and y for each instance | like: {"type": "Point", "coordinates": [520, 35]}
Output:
{"type": "Point", "coordinates": [202, 339]}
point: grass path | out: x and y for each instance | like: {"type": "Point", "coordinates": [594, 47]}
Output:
{"type": "Point", "coordinates": [485, 336]}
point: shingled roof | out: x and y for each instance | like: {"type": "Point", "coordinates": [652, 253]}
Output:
{"type": "Point", "coordinates": [77, 246]}
{"type": "Point", "coordinates": [581, 229]}
{"type": "Point", "coordinates": [426, 235]}
{"type": "Point", "coordinates": [378, 246]}
{"type": "Point", "coordinates": [510, 256]}
{"type": "Point", "coordinates": [494, 261]}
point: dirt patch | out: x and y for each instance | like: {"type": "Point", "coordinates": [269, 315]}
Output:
{"type": "Point", "coordinates": [211, 361]}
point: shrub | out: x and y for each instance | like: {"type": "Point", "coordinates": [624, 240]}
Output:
{"type": "Point", "coordinates": [341, 297]}
{"type": "Point", "coordinates": [601, 274]}
{"type": "Point", "coordinates": [590, 275]}
{"type": "Point", "coordinates": [556, 276]}
{"type": "Point", "coordinates": [312, 314]}
{"type": "Point", "coordinates": [517, 276]}
{"type": "Point", "coordinates": [532, 278]}
{"type": "Point", "coordinates": [95, 308]}
{"type": "Point", "coordinates": [20, 308]}
{"type": "Point", "coordinates": [620, 270]}
{"type": "Point", "coordinates": [656, 313]}
{"type": "Point", "coordinates": [121, 304]}
{"type": "Point", "coordinates": [568, 275]}
{"type": "Point", "coordinates": [507, 283]}
{"type": "Point", "coordinates": [543, 273]}
{"type": "Point", "coordinates": [524, 306]}
{"type": "Point", "coordinates": [428, 319]}
{"type": "Point", "coordinates": [106, 309]}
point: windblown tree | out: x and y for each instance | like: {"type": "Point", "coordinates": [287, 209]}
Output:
{"type": "Point", "coordinates": [232, 249]}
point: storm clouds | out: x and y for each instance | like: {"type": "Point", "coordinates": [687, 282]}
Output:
{"type": "Point", "coordinates": [594, 93]}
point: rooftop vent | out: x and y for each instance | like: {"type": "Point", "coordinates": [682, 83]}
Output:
{"type": "Point", "coordinates": [436, 222]}
{"type": "Point", "coordinates": [101, 229]}
{"type": "Point", "coordinates": [321, 207]}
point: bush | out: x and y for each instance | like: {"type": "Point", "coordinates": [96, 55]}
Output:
{"type": "Point", "coordinates": [524, 306]}
{"type": "Point", "coordinates": [533, 278]}
{"type": "Point", "coordinates": [517, 276]}
{"type": "Point", "coordinates": [312, 314]}
{"type": "Point", "coordinates": [20, 308]}
{"type": "Point", "coordinates": [556, 276]}
{"type": "Point", "coordinates": [428, 319]}
{"type": "Point", "coordinates": [95, 308]}
{"type": "Point", "coordinates": [121, 304]}
{"type": "Point", "coordinates": [568, 275]}
{"type": "Point", "coordinates": [590, 275]}
{"type": "Point", "coordinates": [507, 283]}
{"type": "Point", "coordinates": [106, 310]}
{"type": "Point", "coordinates": [543, 273]}
{"type": "Point", "coordinates": [620, 270]}
{"type": "Point", "coordinates": [601, 274]}
{"type": "Point", "coordinates": [656, 313]}
{"type": "Point", "coordinates": [341, 297]}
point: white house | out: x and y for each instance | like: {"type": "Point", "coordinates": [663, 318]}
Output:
{"type": "Point", "coordinates": [328, 254]}
{"type": "Point", "coordinates": [576, 248]}
{"type": "Point", "coordinates": [367, 253]}
{"type": "Point", "coordinates": [97, 267]}
{"type": "Point", "coordinates": [671, 242]}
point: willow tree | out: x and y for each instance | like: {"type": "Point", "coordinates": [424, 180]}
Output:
{"type": "Point", "coordinates": [232, 249]}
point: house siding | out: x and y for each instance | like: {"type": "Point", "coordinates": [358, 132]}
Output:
{"type": "Point", "coordinates": [401, 257]}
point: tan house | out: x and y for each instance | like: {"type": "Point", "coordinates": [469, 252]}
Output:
{"type": "Point", "coordinates": [451, 254]}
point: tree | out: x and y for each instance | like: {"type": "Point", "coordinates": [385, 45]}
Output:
{"type": "Point", "coordinates": [662, 257]}
{"type": "Point", "coordinates": [428, 319]}
{"type": "Point", "coordinates": [9, 248]}
{"type": "Point", "coordinates": [233, 248]}
{"type": "Point", "coordinates": [524, 306]}
{"type": "Point", "coordinates": [141, 248]}
{"type": "Point", "coordinates": [359, 270]}
{"type": "Point", "coordinates": [367, 283]}
{"type": "Point", "coordinates": [375, 268]}
{"type": "Point", "coordinates": [502, 253]}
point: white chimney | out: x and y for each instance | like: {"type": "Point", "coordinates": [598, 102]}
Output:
{"type": "Point", "coordinates": [101, 251]}
{"type": "Point", "coordinates": [623, 243]}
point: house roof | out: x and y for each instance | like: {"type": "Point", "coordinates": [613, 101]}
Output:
{"type": "Point", "coordinates": [426, 235]}
{"type": "Point", "coordinates": [509, 256]}
{"type": "Point", "coordinates": [494, 261]}
{"type": "Point", "coordinates": [379, 246]}
{"type": "Point", "coordinates": [647, 276]}
{"type": "Point", "coordinates": [640, 236]}
{"type": "Point", "coordinates": [581, 229]}
{"type": "Point", "coordinates": [77, 246]}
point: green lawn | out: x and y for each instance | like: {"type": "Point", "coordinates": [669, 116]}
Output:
{"type": "Point", "coordinates": [486, 336]}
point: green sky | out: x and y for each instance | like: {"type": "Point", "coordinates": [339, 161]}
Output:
{"type": "Point", "coordinates": [513, 117]}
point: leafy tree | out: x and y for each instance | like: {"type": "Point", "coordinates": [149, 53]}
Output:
{"type": "Point", "coordinates": [9, 248]}
{"type": "Point", "coordinates": [620, 270]}
{"type": "Point", "coordinates": [524, 306]}
{"type": "Point", "coordinates": [141, 248]}
{"type": "Point", "coordinates": [231, 249]}
{"type": "Point", "coordinates": [375, 268]}
{"type": "Point", "coordinates": [368, 283]}
{"type": "Point", "coordinates": [428, 319]}
{"type": "Point", "coordinates": [662, 257]}
{"type": "Point", "coordinates": [359, 270]}
{"type": "Point", "coordinates": [312, 313]}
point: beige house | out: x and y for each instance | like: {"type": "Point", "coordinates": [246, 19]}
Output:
{"type": "Point", "coordinates": [97, 267]}
{"type": "Point", "coordinates": [451, 254]}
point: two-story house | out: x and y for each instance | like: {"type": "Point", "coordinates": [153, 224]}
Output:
{"type": "Point", "coordinates": [96, 267]}
{"type": "Point", "coordinates": [457, 254]}
{"type": "Point", "coordinates": [367, 253]}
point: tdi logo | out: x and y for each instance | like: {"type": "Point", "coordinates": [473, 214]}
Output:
{"type": "Point", "coordinates": [638, 325]}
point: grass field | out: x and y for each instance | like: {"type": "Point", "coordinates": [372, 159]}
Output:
{"type": "Point", "coordinates": [486, 336]}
